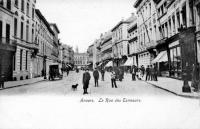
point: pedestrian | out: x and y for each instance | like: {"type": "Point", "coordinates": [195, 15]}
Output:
{"type": "Point", "coordinates": [67, 71]}
{"type": "Point", "coordinates": [102, 74]}
{"type": "Point", "coordinates": [142, 69]}
{"type": "Point", "coordinates": [96, 77]}
{"type": "Point", "coordinates": [113, 79]}
{"type": "Point", "coordinates": [2, 81]}
{"type": "Point", "coordinates": [147, 73]}
{"type": "Point", "coordinates": [151, 73]}
{"type": "Point", "coordinates": [155, 72]}
{"type": "Point", "coordinates": [121, 74]}
{"type": "Point", "coordinates": [86, 80]}
{"type": "Point", "coordinates": [133, 73]}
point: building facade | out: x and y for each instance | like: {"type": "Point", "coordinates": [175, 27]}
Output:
{"type": "Point", "coordinates": [7, 45]}
{"type": "Point", "coordinates": [120, 42]}
{"type": "Point", "coordinates": [68, 55]}
{"type": "Point", "coordinates": [133, 42]}
{"type": "Point", "coordinates": [106, 48]}
{"type": "Point", "coordinates": [20, 27]}
{"type": "Point", "coordinates": [80, 59]}
{"type": "Point", "coordinates": [45, 39]}
{"type": "Point", "coordinates": [90, 54]}
{"type": "Point", "coordinates": [147, 27]}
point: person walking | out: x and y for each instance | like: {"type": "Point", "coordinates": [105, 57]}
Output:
{"type": "Point", "coordinates": [151, 73]}
{"type": "Point", "coordinates": [113, 79]}
{"type": "Point", "coordinates": [86, 80]}
{"type": "Point", "coordinates": [155, 72]}
{"type": "Point", "coordinates": [147, 73]}
{"type": "Point", "coordinates": [2, 81]}
{"type": "Point", "coordinates": [102, 74]}
{"type": "Point", "coordinates": [96, 77]}
{"type": "Point", "coordinates": [142, 69]}
{"type": "Point", "coordinates": [133, 73]}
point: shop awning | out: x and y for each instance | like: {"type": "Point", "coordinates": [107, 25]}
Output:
{"type": "Point", "coordinates": [109, 64]}
{"type": "Point", "coordinates": [129, 62]}
{"type": "Point", "coordinates": [162, 57]}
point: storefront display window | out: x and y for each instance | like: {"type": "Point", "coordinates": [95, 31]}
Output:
{"type": "Point", "coordinates": [175, 56]}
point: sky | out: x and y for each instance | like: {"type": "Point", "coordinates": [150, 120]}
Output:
{"type": "Point", "coordinates": [82, 21]}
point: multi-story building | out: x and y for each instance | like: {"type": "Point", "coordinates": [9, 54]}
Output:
{"type": "Point", "coordinates": [147, 28]}
{"type": "Point", "coordinates": [23, 34]}
{"type": "Point", "coordinates": [45, 40]}
{"type": "Point", "coordinates": [80, 59]}
{"type": "Point", "coordinates": [90, 54]}
{"type": "Point", "coordinates": [133, 43]}
{"type": "Point", "coordinates": [68, 55]}
{"type": "Point", "coordinates": [106, 48]}
{"type": "Point", "coordinates": [176, 36]}
{"type": "Point", "coordinates": [197, 23]}
{"type": "Point", "coordinates": [7, 46]}
{"type": "Point", "coordinates": [56, 43]}
{"type": "Point", "coordinates": [120, 42]}
{"type": "Point", "coordinates": [96, 53]}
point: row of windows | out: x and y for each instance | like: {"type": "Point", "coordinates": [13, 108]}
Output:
{"type": "Point", "coordinates": [22, 25]}
{"type": "Point", "coordinates": [21, 60]}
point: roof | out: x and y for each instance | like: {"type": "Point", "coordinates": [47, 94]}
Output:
{"type": "Point", "coordinates": [127, 21]}
{"type": "Point", "coordinates": [39, 14]}
{"type": "Point", "coordinates": [137, 3]}
{"type": "Point", "coordinates": [56, 27]}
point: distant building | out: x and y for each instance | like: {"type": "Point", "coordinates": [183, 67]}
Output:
{"type": "Point", "coordinates": [81, 59]}
{"type": "Point", "coordinates": [90, 54]}
{"type": "Point", "coordinates": [68, 54]}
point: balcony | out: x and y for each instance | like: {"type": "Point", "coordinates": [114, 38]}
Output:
{"type": "Point", "coordinates": [7, 44]}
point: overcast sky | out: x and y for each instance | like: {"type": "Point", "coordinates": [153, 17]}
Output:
{"type": "Point", "coordinates": [82, 21]}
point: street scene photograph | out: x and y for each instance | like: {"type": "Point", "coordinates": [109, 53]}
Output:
{"type": "Point", "coordinates": [99, 64]}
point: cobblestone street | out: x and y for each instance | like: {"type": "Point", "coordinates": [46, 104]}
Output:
{"type": "Point", "coordinates": [38, 105]}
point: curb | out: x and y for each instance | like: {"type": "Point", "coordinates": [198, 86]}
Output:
{"type": "Point", "coordinates": [21, 85]}
{"type": "Point", "coordinates": [186, 96]}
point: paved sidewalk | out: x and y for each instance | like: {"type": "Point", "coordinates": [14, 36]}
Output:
{"type": "Point", "coordinates": [11, 84]}
{"type": "Point", "coordinates": [174, 86]}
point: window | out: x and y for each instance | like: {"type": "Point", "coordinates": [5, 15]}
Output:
{"type": "Point", "coordinates": [27, 9]}
{"type": "Point", "coordinates": [15, 27]}
{"type": "Point", "coordinates": [16, 3]}
{"type": "Point", "coordinates": [27, 33]}
{"type": "Point", "coordinates": [26, 60]}
{"type": "Point", "coordinates": [33, 13]}
{"type": "Point", "coordinates": [1, 2]}
{"type": "Point", "coordinates": [7, 33]}
{"type": "Point", "coordinates": [14, 62]}
{"type": "Point", "coordinates": [33, 35]}
{"type": "Point", "coordinates": [21, 53]}
{"type": "Point", "coordinates": [22, 30]}
{"type": "Point", "coordinates": [1, 30]}
{"type": "Point", "coordinates": [22, 6]}
{"type": "Point", "coordinates": [9, 4]}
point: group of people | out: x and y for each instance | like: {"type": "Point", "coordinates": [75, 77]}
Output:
{"type": "Point", "coordinates": [151, 73]}
{"type": "Point", "coordinates": [87, 77]}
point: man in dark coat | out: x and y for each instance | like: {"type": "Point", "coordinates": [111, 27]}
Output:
{"type": "Point", "coordinates": [86, 80]}
{"type": "Point", "coordinates": [155, 77]}
{"type": "Point", "coordinates": [102, 74]}
{"type": "Point", "coordinates": [2, 81]}
{"type": "Point", "coordinates": [96, 77]}
{"type": "Point", "coordinates": [147, 73]}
